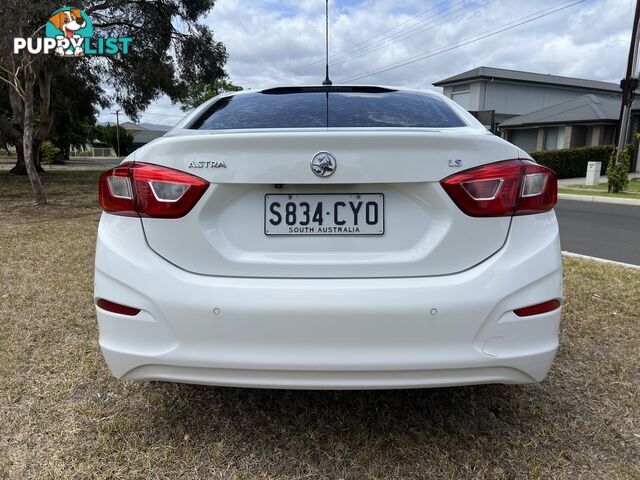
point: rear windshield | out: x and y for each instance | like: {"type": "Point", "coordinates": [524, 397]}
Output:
{"type": "Point", "coordinates": [280, 108]}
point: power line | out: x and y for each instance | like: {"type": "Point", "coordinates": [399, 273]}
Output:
{"type": "Point", "coordinates": [474, 38]}
{"type": "Point", "coordinates": [314, 64]}
{"type": "Point", "coordinates": [469, 40]}
{"type": "Point", "coordinates": [415, 31]}
{"type": "Point", "coordinates": [382, 38]}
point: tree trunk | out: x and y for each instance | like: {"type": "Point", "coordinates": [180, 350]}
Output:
{"type": "Point", "coordinates": [46, 115]}
{"type": "Point", "coordinates": [29, 153]}
{"type": "Point", "coordinates": [20, 168]}
{"type": "Point", "coordinates": [46, 123]}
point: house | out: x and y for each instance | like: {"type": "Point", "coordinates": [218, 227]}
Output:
{"type": "Point", "coordinates": [509, 93]}
{"type": "Point", "coordinates": [542, 112]}
{"type": "Point", "coordinates": [588, 120]}
{"type": "Point", "coordinates": [131, 127]}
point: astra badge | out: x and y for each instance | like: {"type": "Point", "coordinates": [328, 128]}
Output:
{"type": "Point", "coordinates": [207, 165]}
{"type": "Point", "coordinates": [323, 164]}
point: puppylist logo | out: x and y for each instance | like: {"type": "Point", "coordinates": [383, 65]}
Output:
{"type": "Point", "coordinates": [68, 33]}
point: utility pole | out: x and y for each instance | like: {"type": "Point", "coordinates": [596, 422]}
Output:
{"type": "Point", "coordinates": [117, 112]}
{"type": "Point", "coordinates": [628, 84]}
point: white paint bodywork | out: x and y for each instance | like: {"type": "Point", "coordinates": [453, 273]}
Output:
{"type": "Point", "coordinates": [429, 303]}
{"type": "Point", "coordinates": [425, 232]}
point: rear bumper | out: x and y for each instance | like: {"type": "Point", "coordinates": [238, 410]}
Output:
{"type": "Point", "coordinates": [330, 333]}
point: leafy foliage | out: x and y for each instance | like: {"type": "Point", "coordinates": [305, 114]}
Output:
{"type": "Point", "coordinates": [171, 49]}
{"type": "Point", "coordinates": [200, 91]}
{"type": "Point", "coordinates": [618, 170]}
{"type": "Point", "coordinates": [75, 115]}
{"type": "Point", "coordinates": [50, 153]}
{"type": "Point", "coordinates": [572, 162]}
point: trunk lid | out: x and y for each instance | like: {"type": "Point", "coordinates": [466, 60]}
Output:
{"type": "Point", "coordinates": [424, 231]}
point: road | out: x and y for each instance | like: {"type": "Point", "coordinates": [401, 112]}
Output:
{"type": "Point", "coordinates": [600, 229]}
{"type": "Point", "coordinates": [105, 162]}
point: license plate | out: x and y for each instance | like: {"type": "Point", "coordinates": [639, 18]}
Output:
{"type": "Point", "coordinates": [324, 214]}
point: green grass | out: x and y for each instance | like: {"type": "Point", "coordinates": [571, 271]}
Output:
{"type": "Point", "coordinates": [63, 416]}
{"type": "Point", "coordinates": [632, 190]}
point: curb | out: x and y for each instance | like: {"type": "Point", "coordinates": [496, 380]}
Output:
{"type": "Point", "coordinates": [598, 199]}
{"type": "Point", "coordinates": [600, 260]}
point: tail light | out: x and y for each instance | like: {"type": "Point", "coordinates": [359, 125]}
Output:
{"type": "Point", "coordinates": [538, 308]}
{"type": "Point", "coordinates": [145, 190]}
{"type": "Point", "coordinates": [117, 308]}
{"type": "Point", "coordinates": [511, 187]}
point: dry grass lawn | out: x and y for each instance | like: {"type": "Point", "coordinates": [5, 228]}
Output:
{"type": "Point", "coordinates": [63, 416]}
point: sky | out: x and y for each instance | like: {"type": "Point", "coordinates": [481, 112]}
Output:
{"type": "Point", "coordinates": [273, 42]}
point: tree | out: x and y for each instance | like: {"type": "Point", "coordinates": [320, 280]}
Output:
{"type": "Point", "coordinates": [109, 135]}
{"type": "Point", "coordinates": [20, 72]}
{"type": "Point", "coordinates": [76, 114]}
{"type": "Point", "coordinates": [201, 91]}
{"type": "Point", "coordinates": [5, 111]}
{"type": "Point", "coordinates": [170, 50]}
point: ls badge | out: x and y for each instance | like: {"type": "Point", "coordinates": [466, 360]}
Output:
{"type": "Point", "coordinates": [457, 163]}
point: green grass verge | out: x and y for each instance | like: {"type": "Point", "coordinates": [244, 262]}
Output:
{"type": "Point", "coordinates": [63, 416]}
{"type": "Point", "coordinates": [632, 190]}
{"type": "Point", "coordinates": [597, 193]}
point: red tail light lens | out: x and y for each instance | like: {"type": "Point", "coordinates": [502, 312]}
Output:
{"type": "Point", "coordinates": [538, 309]}
{"type": "Point", "coordinates": [539, 192]}
{"type": "Point", "coordinates": [117, 308]}
{"type": "Point", "coordinates": [149, 191]}
{"type": "Point", "coordinates": [511, 187]}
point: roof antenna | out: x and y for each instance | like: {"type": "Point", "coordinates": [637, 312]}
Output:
{"type": "Point", "coordinates": [326, 81]}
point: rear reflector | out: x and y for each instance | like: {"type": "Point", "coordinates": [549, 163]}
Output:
{"type": "Point", "coordinates": [538, 309]}
{"type": "Point", "coordinates": [149, 190]}
{"type": "Point", "coordinates": [117, 308]}
{"type": "Point", "coordinates": [511, 187]}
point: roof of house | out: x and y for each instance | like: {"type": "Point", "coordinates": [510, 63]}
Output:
{"type": "Point", "coordinates": [586, 108]}
{"type": "Point", "coordinates": [529, 77]}
{"type": "Point", "coordinates": [131, 126]}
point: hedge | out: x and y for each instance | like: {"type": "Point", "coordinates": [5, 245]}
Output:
{"type": "Point", "coordinates": [572, 162]}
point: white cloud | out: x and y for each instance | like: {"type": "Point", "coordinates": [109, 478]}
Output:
{"type": "Point", "coordinates": [282, 42]}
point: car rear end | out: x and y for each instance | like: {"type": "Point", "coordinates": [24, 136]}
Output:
{"type": "Point", "coordinates": [345, 237]}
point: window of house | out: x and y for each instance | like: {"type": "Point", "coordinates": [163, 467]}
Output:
{"type": "Point", "coordinates": [579, 136]}
{"type": "Point", "coordinates": [525, 138]}
{"type": "Point", "coordinates": [553, 138]}
{"type": "Point", "coordinates": [461, 94]}
{"type": "Point", "coordinates": [609, 135]}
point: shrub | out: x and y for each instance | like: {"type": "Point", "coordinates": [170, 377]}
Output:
{"type": "Point", "coordinates": [50, 153]}
{"type": "Point", "coordinates": [572, 162]}
{"type": "Point", "coordinates": [618, 171]}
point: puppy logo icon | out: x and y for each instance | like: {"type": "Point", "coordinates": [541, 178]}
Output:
{"type": "Point", "coordinates": [69, 33]}
{"type": "Point", "coordinates": [71, 27]}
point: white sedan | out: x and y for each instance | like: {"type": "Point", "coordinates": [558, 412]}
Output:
{"type": "Point", "coordinates": [338, 237]}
